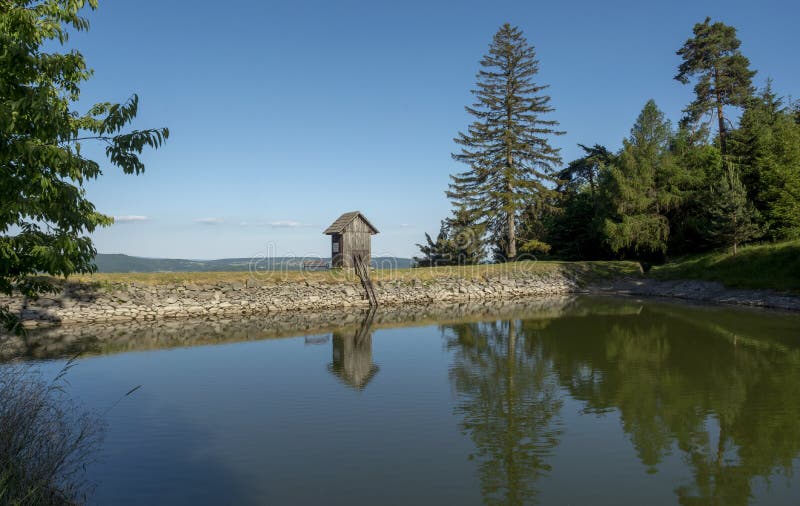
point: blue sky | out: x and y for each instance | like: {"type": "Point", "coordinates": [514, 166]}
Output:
{"type": "Point", "coordinates": [285, 114]}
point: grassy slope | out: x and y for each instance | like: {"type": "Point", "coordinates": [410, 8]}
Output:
{"type": "Point", "coordinates": [585, 270]}
{"type": "Point", "coordinates": [775, 266]}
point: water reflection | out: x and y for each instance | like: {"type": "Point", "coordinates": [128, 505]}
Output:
{"type": "Point", "coordinates": [352, 354]}
{"type": "Point", "coordinates": [508, 404]}
{"type": "Point", "coordinates": [686, 380]}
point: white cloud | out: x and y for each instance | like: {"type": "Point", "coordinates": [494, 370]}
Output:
{"type": "Point", "coordinates": [209, 221]}
{"type": "Point", "coordinates": [287, 224]}
{"type": "Point", "coordinates": [404, 225]}
{"type": "Point", "coordinates": [132, 218]}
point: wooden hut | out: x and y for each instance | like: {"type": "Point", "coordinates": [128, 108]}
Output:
{"type": "Point", "coordinates": [351, 236]}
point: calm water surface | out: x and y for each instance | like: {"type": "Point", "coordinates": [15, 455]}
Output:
{"type": "Point", "coordinates": [583, 401]}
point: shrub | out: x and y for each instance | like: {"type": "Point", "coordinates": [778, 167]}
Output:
{"type": "Point", "coordinates": [45, 439]}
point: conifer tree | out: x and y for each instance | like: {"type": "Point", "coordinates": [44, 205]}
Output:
{"type": "Point", "coordinates": [723, 75]}
{"type": "Point", "coordinates": [458, 243]}
{"type": "Point", "coordinates": [733, 218]}
{"type": "Point", "coordinates": [438, 252]}
{"type": "Point", "coordinates": [467, 237]}
{"type": "Point", "coordinates": [767, 149]}
{"type": "Point", "coordinates": [644, 185]}
{"type": "Point", "coordinates": [511, 162]}
{"type": "Point", "coordinates": [700, 166]}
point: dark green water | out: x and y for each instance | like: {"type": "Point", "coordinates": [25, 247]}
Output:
{"type": "Point", "coordinates": [585, 401]}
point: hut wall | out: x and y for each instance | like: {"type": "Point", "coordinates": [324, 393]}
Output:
{"type": "Point", "coordinates": [356, 240]}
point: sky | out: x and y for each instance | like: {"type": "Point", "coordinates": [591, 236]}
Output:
{"type": "Point", "coordinates": [283, 115]}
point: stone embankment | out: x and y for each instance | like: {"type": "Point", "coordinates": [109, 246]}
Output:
{"type": "Point", "coordinates": [120, 302]}
{"type": "Point", "coordinates": [315, 325]}
{"type": "Point", "coordinates": [80, 303]}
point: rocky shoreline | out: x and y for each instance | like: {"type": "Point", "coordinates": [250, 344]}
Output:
{"type": "Point", "coordinates": [701, 291]}
{"type": "Point", "coordinates": [119, 302]}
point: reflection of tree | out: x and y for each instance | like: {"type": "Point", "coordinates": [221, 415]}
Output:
{"type": "Point", "coordinates": [352, 354]}
{"type": "Point", "coordinates": [731, 409]}
{"type": "Point", "coordinates": [508, 401]}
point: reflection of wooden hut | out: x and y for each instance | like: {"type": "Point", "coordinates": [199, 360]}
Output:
{"type": "Point", "coordinates": [351, 236]}
{"type": "Point", "coordinates": [352, 355]}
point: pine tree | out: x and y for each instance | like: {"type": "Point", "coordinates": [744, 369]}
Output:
{"type": "Point", "coordinates": [511, 162]}
{"type": "Point", "coordinates": [643, 186]}
{"type": "Point", "coordinates": [723, 75]}
{"type": "Point", "coordinates": [734, 220]}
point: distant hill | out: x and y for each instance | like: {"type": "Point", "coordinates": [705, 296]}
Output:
{"type": "Point", "coordinates": [124, 263]}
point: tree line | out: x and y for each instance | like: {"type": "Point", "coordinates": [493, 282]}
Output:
{"type": "Point", "coordinates": [726, 174]}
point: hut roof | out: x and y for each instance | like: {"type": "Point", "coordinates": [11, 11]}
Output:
{"type": "Point", "coordinates": [341, 223]}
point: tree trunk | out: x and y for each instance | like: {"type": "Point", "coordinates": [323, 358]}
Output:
{"type": "Point", "coordinates": [723, 144]}
{"type": "Point", "coordinates": [511, 250]}
{"type": "Point", "coordinates": [512, 236]}
{"type": "Point", "coordinates": [735, 228]}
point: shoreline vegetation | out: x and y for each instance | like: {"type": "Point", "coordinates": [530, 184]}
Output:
{"type": "Point", "coordinates": [772, 266]}
{"type": "Point", "coordinates": [589, 269]}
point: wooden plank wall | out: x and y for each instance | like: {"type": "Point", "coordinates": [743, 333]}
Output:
{"type": "Point", "coordinates": [356, 240]}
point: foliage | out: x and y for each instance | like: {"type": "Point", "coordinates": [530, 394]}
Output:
{"type": "Point", "coordinates": [44, 440]}
{"type": "Point", "coordinates": [733, 217]}
{"type": "Point", "coordinates": [511, 163]}
{"type": "Point", "coordinates": [700, 168]}
{"type": "Point", "coordinates": [723, 74]}
{"type": "Point", "coordinates": [458, 243]}
{"type": "Point", "coordinates": [644, 185]}
{"type": "Point", "coordinates": [44, 214]}
{"type": "Point", "coordinates": [766, 147]}
{"type": "Point", "coordinates": [438, 252]}
{"type": "Point", "coordinates": [577, 230]}
{"type": "Point", "coordinates": [585, 172]}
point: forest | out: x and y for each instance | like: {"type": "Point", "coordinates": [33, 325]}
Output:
{"type": "Point", "coordinates": [727, 174]}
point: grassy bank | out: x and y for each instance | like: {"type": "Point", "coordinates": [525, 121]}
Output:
{"type": "Point", "coordinates": [772, 266]}
{"type": "Point", "coordinates": [584, 270]}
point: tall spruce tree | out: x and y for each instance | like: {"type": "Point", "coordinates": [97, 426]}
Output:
{"type": "Point", "coordinates": [643, 186]}
{"type": "Point", "coordinates": [723, 75]}
{"type": "Point", "coordinates": [511, 162]}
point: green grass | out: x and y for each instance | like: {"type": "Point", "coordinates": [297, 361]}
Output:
{"type": "Point", "coordinates": [775, 266]}
{"type": "Point", "coordinates": [583, 270]}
